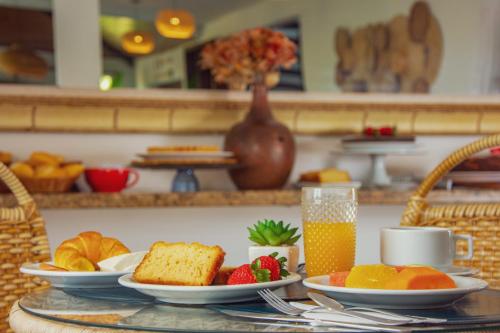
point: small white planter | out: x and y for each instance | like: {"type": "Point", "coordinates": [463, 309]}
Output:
{"type": "Point", "coordinates": [291, 253]}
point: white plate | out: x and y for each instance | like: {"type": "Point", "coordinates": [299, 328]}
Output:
{"type": "Point", "coordinates": [460, 271]}
{"type": "Point", "coordinates": [187, 154]}
{"type": "Point", "coordinates": [205, 294]}
{"type": "Point", "coordinates": [74, 279]}
{"type": "Point", "coordinates": [397, 299]}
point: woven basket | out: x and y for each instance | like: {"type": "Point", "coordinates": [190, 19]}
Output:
{"type": "Point", "coordinates": [481, 220]}
{"type": "Point", "coordinates": [48, 185]}
{"type": "Point", "coordinates": [22, 239]}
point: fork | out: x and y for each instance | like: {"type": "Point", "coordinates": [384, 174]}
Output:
{"type": "Point", "coordinates": [279, 304]}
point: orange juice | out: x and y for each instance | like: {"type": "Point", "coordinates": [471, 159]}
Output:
{"type": "Point", "coordinates": [329, 246]}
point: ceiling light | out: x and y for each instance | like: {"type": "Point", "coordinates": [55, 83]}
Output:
{"type": "Point", "coordinates": [138, 42]}
{"type": "Point", "coordinates": [178, 24]}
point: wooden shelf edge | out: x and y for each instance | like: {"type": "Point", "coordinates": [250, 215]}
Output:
{"type": "Point", "coordinates": [235, 199]}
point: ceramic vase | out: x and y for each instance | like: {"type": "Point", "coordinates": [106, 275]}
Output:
{"type": "Point", "coordinates": [264, 147]}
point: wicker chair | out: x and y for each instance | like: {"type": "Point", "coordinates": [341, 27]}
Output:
{"type": "Point", "coordinates": [22, 239]}
{"type": "Point", "coordinates": [481, 220]}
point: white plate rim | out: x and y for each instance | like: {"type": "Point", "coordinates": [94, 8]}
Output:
{"type": "Point", "coordinates": [33, 269]}
{"type": "Point", "coordinates": [479, 285]}
{"type": "Point", "coordinates": [466, 271]}
{"type": "Point", "coordinates": [187, 154]}
{"type": "Point", "coordinates": [127, 281]}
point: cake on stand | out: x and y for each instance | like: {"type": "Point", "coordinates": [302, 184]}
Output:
{"type": "Point", "coordinates": [378, 147]}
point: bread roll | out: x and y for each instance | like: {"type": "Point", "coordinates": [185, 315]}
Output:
{"type": "Point", "coordinates": [40, 158]}
{"type": "Point", "coordinates": [74, 170]}
{"type": "Point", "coordinates": [83, 252]}
{"type": "Point", "coordinates": [22, 170]}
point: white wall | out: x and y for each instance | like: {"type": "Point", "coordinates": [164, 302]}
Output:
{"type": "Point", "coordinates": [463, 23]}
{"type": "Point", "coordinates": [225, 226]}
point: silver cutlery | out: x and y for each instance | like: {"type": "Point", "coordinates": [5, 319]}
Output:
{"type": "Point", "coordinates": [333, 305]}
{"type": "Point", "coordinates": [313, 322]}
{"type": "Point", "coordinates": [282, 306]}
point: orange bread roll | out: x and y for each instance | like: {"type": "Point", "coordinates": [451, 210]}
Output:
{"type": "Point", "coordinates": [83, 252]}
{"type": "Point", "coordinates": [41, 157]}
{"type": "Point", "coordinates": [74, 169]}
{"type": "Point", "coordinates": [420, 278]}
{"type": "Point", "coordinates": [49, 171]}
{"type": "Point", "coordinates": [22, 170]}
{"type": "Point", "coordinates": [5, 157]}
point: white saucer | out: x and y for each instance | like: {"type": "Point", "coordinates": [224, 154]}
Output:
{"type": "Point", "coordinates": [63, 279]}
{"type": "Point", "coordinates": [397, 299]}
{"type": "Point", "coordinates": [205, 294]}
{"type": "Point", "coordinates": [460, 271]}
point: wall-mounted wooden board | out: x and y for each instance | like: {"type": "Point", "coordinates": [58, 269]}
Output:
{"type": "Point", "coordinates": [37, 109]}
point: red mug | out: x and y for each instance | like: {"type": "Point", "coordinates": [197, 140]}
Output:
{"type": "Point", "coordinates": [110, 179]}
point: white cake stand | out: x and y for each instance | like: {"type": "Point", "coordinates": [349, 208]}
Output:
{"type": "Point", "coordinates": [377, 152]}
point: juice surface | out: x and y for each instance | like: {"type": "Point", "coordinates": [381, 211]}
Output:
{"type": "Point", "coordinates": [329, 246]}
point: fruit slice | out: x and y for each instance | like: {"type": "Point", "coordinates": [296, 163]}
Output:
{"type": "Point", "coordinates": [338, 278]}
{"type": "Point", "coordinates": [49, 267]}
{"type": "Point", "coordinates": [420, 278]}
{"type": "Point", "coordinates": [370, 276]}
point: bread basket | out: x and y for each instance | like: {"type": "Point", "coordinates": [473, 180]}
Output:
{"type": "Point", "coordinates": [48, 185]}
{"type": "Point", "coordinates": [22, 239]}
{"type": "Point", "coordinates": [481, 220]}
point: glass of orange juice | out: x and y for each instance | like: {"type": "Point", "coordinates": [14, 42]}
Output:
{"type": "Point", "coordinates": [329, 222]}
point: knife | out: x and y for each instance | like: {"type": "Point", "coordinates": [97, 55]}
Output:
{"type": "Point", "coordinates": [313, 322]}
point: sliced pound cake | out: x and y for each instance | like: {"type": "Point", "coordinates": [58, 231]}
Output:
{"type": "Point", "coordinates": [180, 264]}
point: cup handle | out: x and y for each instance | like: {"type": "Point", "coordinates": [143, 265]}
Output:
{"type": "Point", "coordinates": [135, 178]}
{"type": "Point", "coordinates": [470, 246]}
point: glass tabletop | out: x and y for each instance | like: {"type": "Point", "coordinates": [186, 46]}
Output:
{"type": "Point", "coordinates": [123, 308]}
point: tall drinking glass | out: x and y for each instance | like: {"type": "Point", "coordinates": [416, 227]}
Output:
{"type": "Point", "coordinates": [329, 220]}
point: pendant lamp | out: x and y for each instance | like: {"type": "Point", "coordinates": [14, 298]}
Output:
{"type": "Point", "coordinates": [177, 24]}
{"type": "Point", "coordinates": [138, 42]}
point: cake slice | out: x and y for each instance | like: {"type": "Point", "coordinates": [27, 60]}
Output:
{"type": "Point", "coordinates": [180, 264]}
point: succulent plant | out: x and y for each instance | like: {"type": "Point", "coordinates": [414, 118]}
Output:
{"type": "Point", "coordinates": [268, 232]}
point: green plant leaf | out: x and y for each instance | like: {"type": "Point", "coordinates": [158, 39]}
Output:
{"type": "Point", "coordinates": [284, 237]}
{"type": "Point", "coordinates": [260, 227]}
{"type": "Point", "coordinates": [280, 227]}
{"type": "Point", "coordinates": [256, 237]}
{"type": "Point", "coordinates": [293, 240]}
{"type": "Point", "coordinates": [271, 237]}
{"type": "Point", "coordinates": [258, 241]}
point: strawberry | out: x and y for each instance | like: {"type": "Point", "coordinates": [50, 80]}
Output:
{"type": "Point", "coordinates": [275, 266]}
{"type": "Point", "coordinates": [246, 274]}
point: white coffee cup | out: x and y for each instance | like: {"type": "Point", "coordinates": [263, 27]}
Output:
{"type": "Point", "coordinates": [430, 246]}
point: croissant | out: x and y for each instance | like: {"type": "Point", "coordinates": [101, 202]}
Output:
{"type": "Point", "coordinates": [83, 252]}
